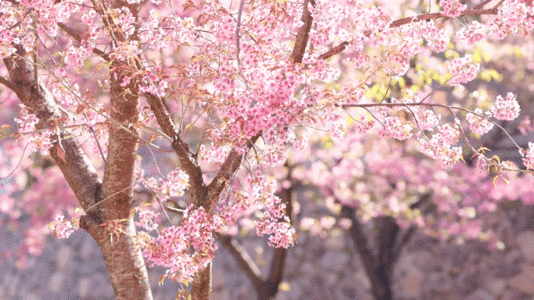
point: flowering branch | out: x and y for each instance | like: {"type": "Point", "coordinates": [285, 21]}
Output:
{"type": "Point", "coordinates": [429, 16]}
{"type": "Point", "coordinates": [303, 34]}
{"type": "Point", "coordinates": [78, 38]}
{"type": "Point", "coordinates": [76, 167]}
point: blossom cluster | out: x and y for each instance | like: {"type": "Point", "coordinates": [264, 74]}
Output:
{"type": "Point", "coordinates": [479, 125]}
{"type": "Point", "coordinates": [185, 248]}
{"type": "Point", "coordinates": [528, 159]}
{"type": "Point", "coordinates": [441, 145]}
{"type": "Point", "coordinates": [471, 34]}
{"type": "Point", "coordinates": [452, 8]}
{"type": "Point", "coordinates": [506, 109]}
{"type": "Point", "coordinates": [147, 220]}
{"type": "Point", "coordinates": [215, 155]}
{"type": "Point", "coordinates": [27, 120]}
{"type": "Point", "coordinates": [174, 185]}
{"type": "Point", "coordinates": [394, 128]}
{"type": "Point", "coordinates": [426, 119]}
{"type": "Point", "coordinates": [39, 141]}
{"type": "Point", "coordinates": [61, 227]}
{"type": "Point", "coordinates": [514, 17]}
{"type": "Point", "coordinates": [463, 70]}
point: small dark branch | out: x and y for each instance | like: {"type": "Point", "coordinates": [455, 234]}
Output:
{"type": "Point", "coordinates": [78, 37]}
{"type": "Point", "coordinates": [180, 147]}
{"type": "Point", "coordinates": [339, 48]}
{"type": "Point", "coordinates": [228, 169]}
{"type": "Point", "coordinates": [10, 85]}
{"type": "Point", "coordinates": [468, 12]}
{"type": "Point", "coordinates": [303, 34]}
{"type": "Point", "coordinates": [245, 262]}
{"type": "Point", "coordinates": [422, 201]}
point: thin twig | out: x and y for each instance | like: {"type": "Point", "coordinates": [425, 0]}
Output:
{"type": "Point", "coordinates": [237, 37]}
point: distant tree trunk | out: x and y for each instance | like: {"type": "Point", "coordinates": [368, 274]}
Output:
{"type": "Point", "coordinates": [378, 266]}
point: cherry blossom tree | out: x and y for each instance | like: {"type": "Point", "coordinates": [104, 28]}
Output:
{"type": "Point", "coordinates": [223, 90]}
{"type": "Point", "coordinates": [383, 185]}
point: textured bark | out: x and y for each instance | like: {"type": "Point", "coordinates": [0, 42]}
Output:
{"type": "Point", "coordinates": [126, 267]}
{"type": "Point", "coordinates": [303, 34]}
{"type": "Point", "coordinates": [77, 169]}
{"type": "Point", "coordinates": [201, 289]}
{"type": "Point", "coordinates": [127, 272]}
{"type": "Point", "coordinates": [125, 264]}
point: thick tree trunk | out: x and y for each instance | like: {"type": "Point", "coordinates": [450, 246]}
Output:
{"type": "Point", "coordinates": [126, 267]}
{"type": "Point", "coordinates": [202, 285]}
{"type": "Point", "coordinates": [103, 201]}
{"type": "Point", "coordinates": [381, 284]}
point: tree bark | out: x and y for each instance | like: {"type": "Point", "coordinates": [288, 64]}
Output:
{"type": "Point", "coordinates": [201, 289]}
{"type": "Point", "coordinates": [126, 267]}
{"type": "Point", "coordinates": [125, 264]}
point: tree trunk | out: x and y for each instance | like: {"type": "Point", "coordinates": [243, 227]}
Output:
{"type": "Point", "coordinates": [126, 267]}
{"type": "Point", "coordinates": [105, 200]}
{"type": "Point", "coordinates": [202, 284]}
{"type": "Point", "coordinates": [377, 266]}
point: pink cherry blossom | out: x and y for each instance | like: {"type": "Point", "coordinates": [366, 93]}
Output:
{"type": "Point", "coordinates": [506, 109]}
{"type": "Point", "coordinates": [477, 124]}
{"type": "Point", "coordinates": [463, 70]}
{"type": "Point", "coordinates": [452, 8]}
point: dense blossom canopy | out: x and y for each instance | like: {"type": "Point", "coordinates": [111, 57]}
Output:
{"type": "Point", "coordinates": [230, 87]}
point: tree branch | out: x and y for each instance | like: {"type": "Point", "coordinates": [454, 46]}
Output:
{"type": "Point", "coordinates": [303, 34]}
{"type": "Point", "coordinates": [180, 147]}
{"type": "Point", "coordinates": [10, 85]}
{"type": "Point", "coordinates": [245, 262]}
{"type": "Point", "coordinates": [78, 37]}
{"type": "Point", "coordinates": [76, 167]}
{"type": "Point", "coordinates": [228, 169]}
{"type": "Point", "coordinates": [429, 16]}
{"type": "Point", "coordinates": [339, 48]}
